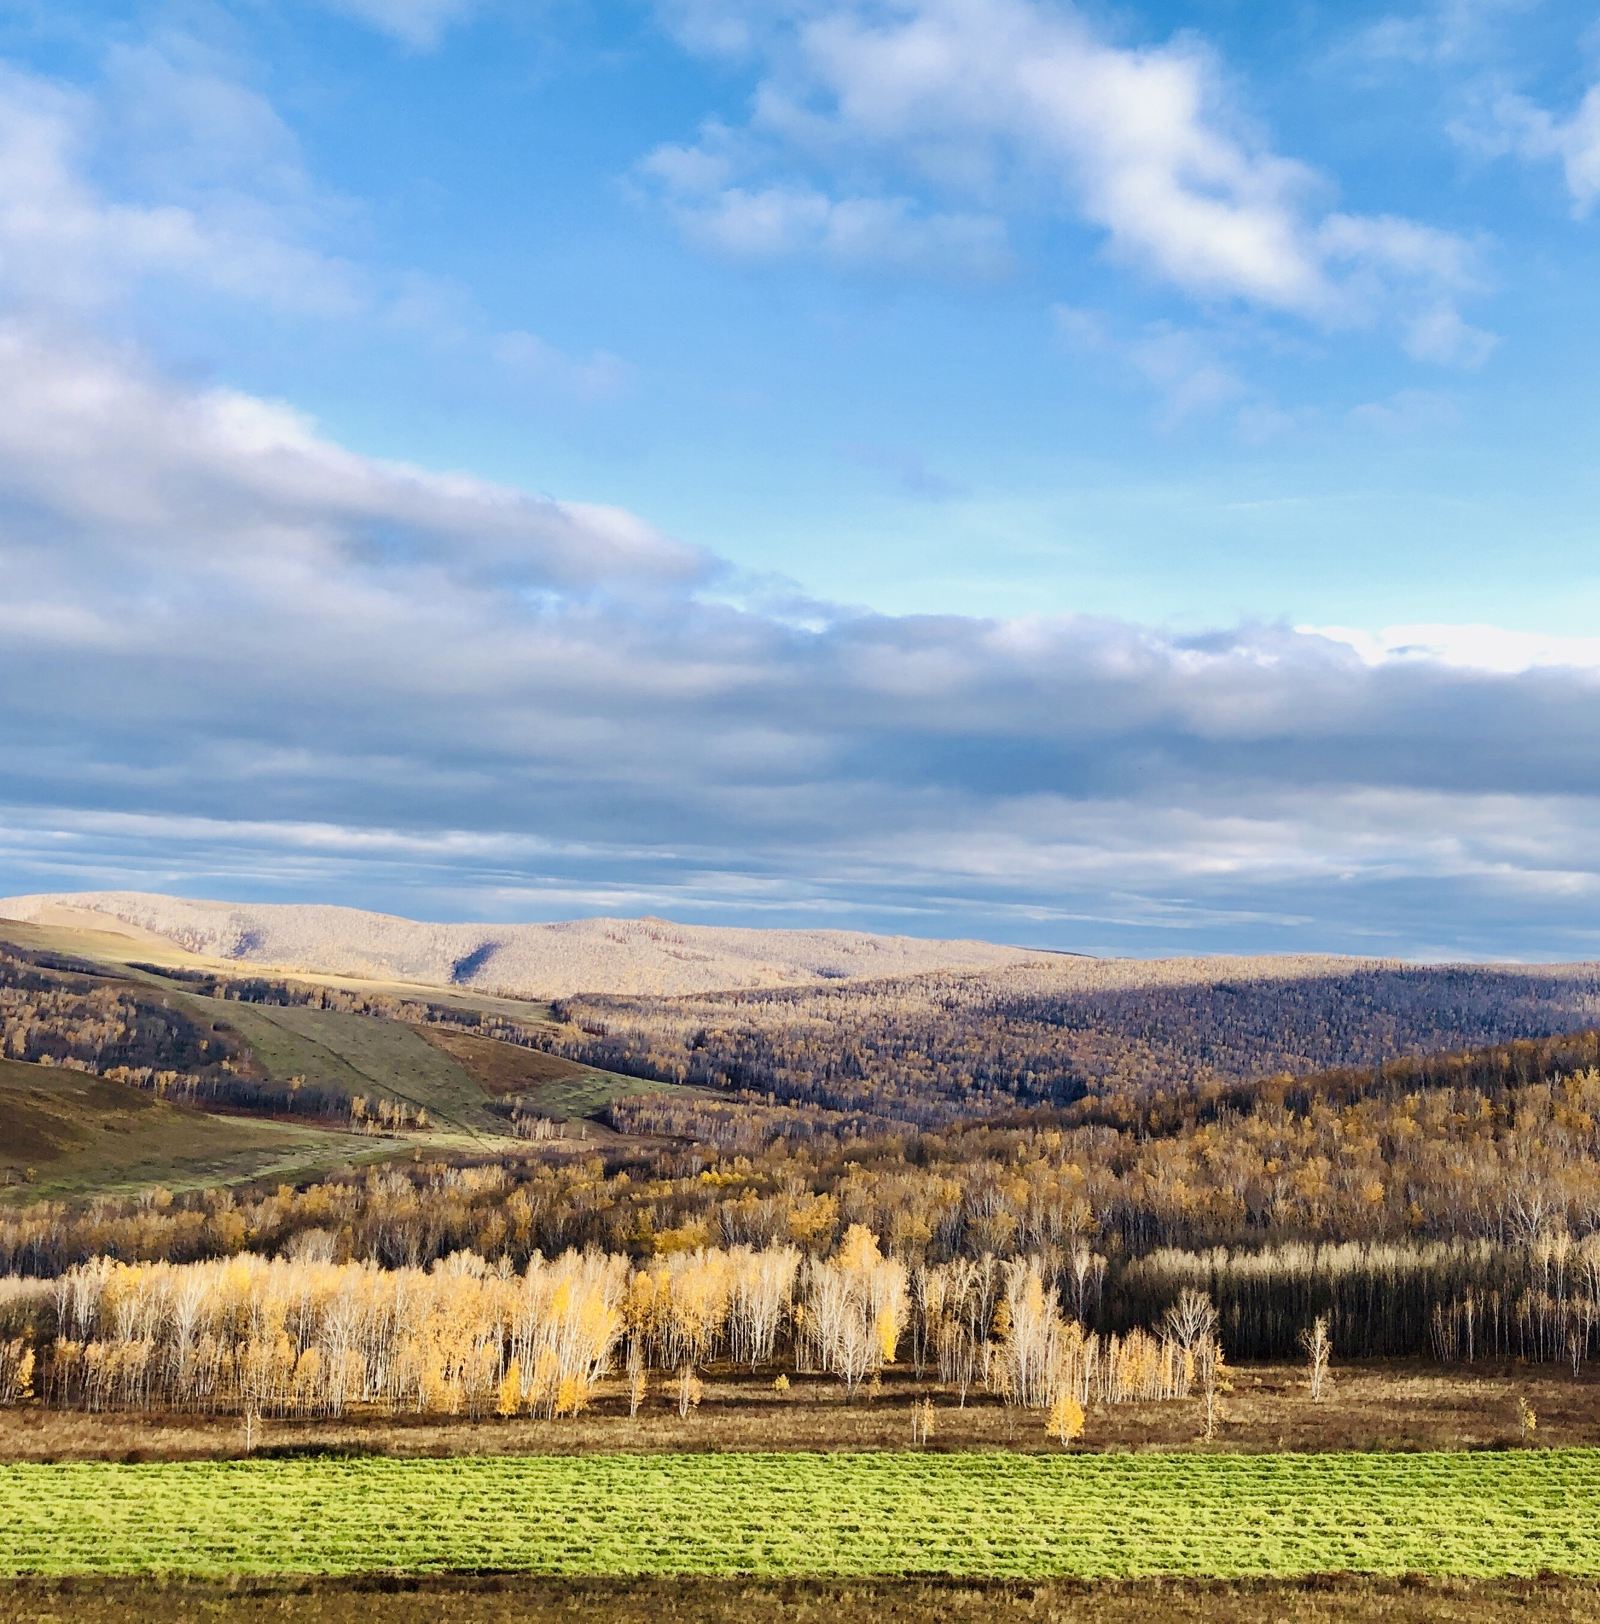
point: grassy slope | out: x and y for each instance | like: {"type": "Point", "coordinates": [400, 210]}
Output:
{"type": "Point", "coordinates": [111, 948]}
{"type": "Point", "coordinates": [825, 1516]}
{"type": "Point", "coordinates": [554, 1087]}
{"type": "Point", "coordinates": [353, 1054]}
{"type": "Point", "coordinates": [83, 1135]}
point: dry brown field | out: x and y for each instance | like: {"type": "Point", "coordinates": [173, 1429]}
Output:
{"type": "Point", "coordinates": [1377, 1406]}
{"type": "Point", "coordinates": [522, 1600]}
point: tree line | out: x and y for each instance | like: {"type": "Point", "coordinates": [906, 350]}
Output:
{"type": "Point", "coordinates": [304, 1335]}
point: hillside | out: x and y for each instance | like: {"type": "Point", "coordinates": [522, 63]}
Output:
{"type": "Point", "coordinates": [69, 1133]}
{"type": "Point", "coordinates": [636, 956]}
{"type": "Point", "coordinates": [444, 1074]}
{"type": "Point", "coordinates": [935, 1048]}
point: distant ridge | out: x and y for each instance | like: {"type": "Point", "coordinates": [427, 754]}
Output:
{"type": "Point", "coordinates": [648, 956]}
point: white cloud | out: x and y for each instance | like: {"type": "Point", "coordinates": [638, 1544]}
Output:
{"type": "Point", "coordinates": [1187, 369]}
{"type": "Point", "coordinates": [174, 115]}
{"type": "Point", "coordinates": [66, 246]}
{"type": "Point", "coordinates": [1467, 647]}
{"type": "Point", "coordinates": [1020, 106]}
{"type": "Point", "coordinates": [1407, 411]}
{"type": "Point", "coordinates": [1188, 374]}
{"type": "Point", "coordinates": [214, 196]}
{"type": "Point", "coordinates": [720, 27]}
{"type": "Point", "coordinates": [780, 222]}
{"type": "Point", "coordinates": [1080, 328]}
{"type": "Point", "coordinates": [1515, 125]}
{"type": "Point", "coordinates": [594, 377]}
{"type": "Point", "coordinates": [1439, 334]}
{"type": "Point", "coordinates": [694, 171]}
{"type": "Point", "coordinates": [1400, 247]}
{"type": "Point", "coordinates": [1440, 34]}
{"type": "Point", "coordinates": [705, 186]}
{"type": "Point", "coordinates": [147, 472]}
{"type": "Point", "coordinates": [417, 24]}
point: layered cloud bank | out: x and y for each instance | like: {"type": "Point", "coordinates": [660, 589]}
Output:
{"type": "Point", "coordinates": [238, 656]}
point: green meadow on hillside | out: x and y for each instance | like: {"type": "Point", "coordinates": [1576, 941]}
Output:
{"type": "Point", "coordinates": [354, 1055]}
{"type": "Point", "coordinates": [70, 1134]}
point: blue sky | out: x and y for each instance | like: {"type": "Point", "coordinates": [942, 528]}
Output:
{"type": "Point", "coordinates": [1110, 477]}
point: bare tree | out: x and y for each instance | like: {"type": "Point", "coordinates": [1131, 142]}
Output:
{"type": "Point", "coordinates": [1192, 1320]}
{"type": "Point", "coordinates": [1318, 1348]}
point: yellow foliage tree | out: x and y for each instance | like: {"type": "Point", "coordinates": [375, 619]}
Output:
{"type": "Point", "coordinates": [510, 1398]}
{"type": "Point", "coordinates": [1065, 1418]}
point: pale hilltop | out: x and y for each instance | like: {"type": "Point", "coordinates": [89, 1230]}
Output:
{"type": "Point", "coordinates": [650, 956]}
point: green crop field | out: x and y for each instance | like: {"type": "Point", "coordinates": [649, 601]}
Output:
{"type": "Point", "coordinates": [820, 1515]}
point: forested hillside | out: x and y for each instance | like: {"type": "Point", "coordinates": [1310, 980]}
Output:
{"type": "Point", "coordinates": [1442, 1207]}
{"type": "Point", "coordinates": [932, 1049]}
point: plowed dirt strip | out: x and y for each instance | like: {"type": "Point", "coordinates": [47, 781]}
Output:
{"type": "Point", "coordinates": [834, 1515]}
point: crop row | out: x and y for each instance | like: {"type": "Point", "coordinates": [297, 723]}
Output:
{"type": "Point", "coordinates": [823, 1515]}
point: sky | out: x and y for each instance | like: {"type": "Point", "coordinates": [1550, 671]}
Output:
{"type": "Point", "coordinates": [1111, 478]}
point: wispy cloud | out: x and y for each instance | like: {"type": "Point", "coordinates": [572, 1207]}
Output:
{"type": "Point", "coordinates": [1509, 124]}
{"type": "Point", "coordinates": [1014, 107]}
{"type": "Point", "coordinates": [1407, 411]}
{"type": "Point", "coordinates": [798, 220]}
{"type": "Point", "coordinates": [418, 24]}
{"type": "Point", "coordinates": [1189, 370]}
{"type": "Point", "coordinates": [1441, 34]}
{"type": "Point", "coordinates": [66, 245]}
{"type": "Point", "coordinates": [1468, 49]}
{"type": "Point", "coordinates": [908, 470]}
{"type": "Point", "coordinates": [174, 172]}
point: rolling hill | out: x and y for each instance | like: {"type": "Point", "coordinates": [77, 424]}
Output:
{"type": "Point", "coordinates": [640, 956]}
{"type": "Point", "coordinates": [80, 1007]}
{"type": "Point", "coordinates": [69, 1133]}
